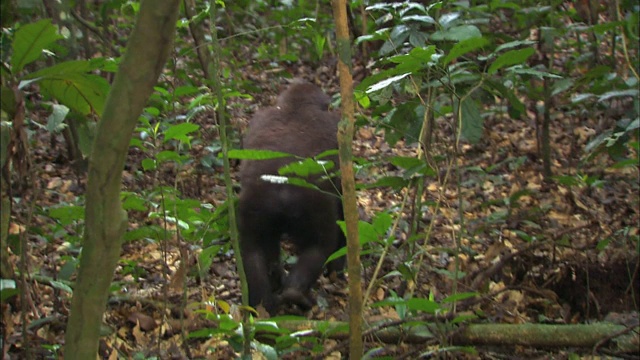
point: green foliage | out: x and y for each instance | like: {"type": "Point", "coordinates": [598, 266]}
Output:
{"type": "Point", "coordinates": [439, 66]}
{"type": "Point", "coordinates": [29, 42]}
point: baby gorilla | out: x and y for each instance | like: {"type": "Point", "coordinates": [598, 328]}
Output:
{"type": "Point", "coordinates": [300, 124]}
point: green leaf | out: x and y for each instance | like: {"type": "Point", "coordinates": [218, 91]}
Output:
{"type": "Point", "coordinates": [250, 154]}
{"type": "Point", "coordinates": [386, 82]}
{"type": "Point", "coordinates": [29, 41]}
{"type": "Point", "coordinates": [289, 180]}
{"type": "Point", "coordinates": [67, 215]}
{"type": "Point", "coordinates": [424, 305]}
{"type": "Point", "coordinates": [561, 86]}
{"type": "Point", "coordinates": [522, 70]}
{"type": "Point", "coordinates": [169, 155]}
{"type": "Point", "coordinates": [61, 286]}
{"type": "Point", "coordinates": [633, 93]}
{"type": "Point", "coordinates": [472, 122]}
{"type": "Point", "coordinates": [185, 90]}
{"type": "Point", "coordinates": [67, 67]}
{"type": "Point", "coordinates": [306, 167]}
{"type": "Point", "coordinates": [326, 153]}
{"type": "Point", "coordinates": [133, 201]}
{"type": "Point", "coordinates": [406, 162]}
{"type": "Point", "coordinates": [420, 18]}
{"type": "Point", "coordinates": [86, 133]}
{"type": "Point", "coordinates": [509, 58]}
{"type": "Point", "coordinates": [7, 284]}
{"type": "Point", "coordinates": [7, 289]}
{"type": "Point", "coordinates": [148, 164]}
{"type": "Point", "coordinates": [180, 132]}
{"type": "Point", "coordinates": [457, 33]}
{"type": "Point", "coordinates": [367, 232]}
{"type": "Point", "coordinates": [82, 92]}
{"type": "Point", "coordinates": [459, 296]}
{"type": "Point", "coordinates": [382, 222]}
{"type": "Point", "coordinates": [464, 47]}
{"type": "Point", "coordinates": [513, 44]}
{"type": "Point", "coordinates": [394, 182]}
{"type": "Point", "coordinates": [85, 93]}
{"type": "Point", "coordinates": [55, 121]}
{"type": "Point", "coordinates": [340, 252]}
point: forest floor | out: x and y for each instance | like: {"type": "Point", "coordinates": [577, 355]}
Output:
{"type": "Point", "coordinates": [551, 253]}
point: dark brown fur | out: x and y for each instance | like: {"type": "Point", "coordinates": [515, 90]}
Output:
{"type": "Point", "coordinates": [299, 124]}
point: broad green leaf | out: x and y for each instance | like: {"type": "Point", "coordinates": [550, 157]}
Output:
{"type": "Point", "coordinates": [417, 38]}
{"type": "Point", "coordinates": [382, 222]}
{"type": "Point", "coordinates": [338, 253]}
{"type": "Point", "coordinates": [394, 182]}
{"type": "Point", "coordinates": [384, 83]}
{"type": "Point", "coordinates": [459, 296]}
{"type": "Point", "coordinates": [618, 93]}
{"type": "Point", "coordinates": [180, 132]}
{"type": "Point", "coordinates": [326, 153]}
{"type": "Point", "coordinates": [168, 155]}
{"type": "Point", "coordinates": [425, 305]}
{"type": "Point", "coordinates": [457, 33]}
{"type": "Point", "coordinates": [251, 154]}
{"type": "Point", "coordinates": [306, 167]}
{"type": "Point", "coordinates": [29, 41]}
{"type": "Point", "coordinates": [7, 289]}
{"type": "Point", "coordinates": [55, 121]}
{"type": "Point", "coordinates": [148, 164]}
{"type": "Point", "coordinates": [291, 181]}
{"type": "Point", "coordinates": [514, 44]}
{"type": "Point", "coordinates": [367, 233]}
{"type": "Point", "coordinates": [522, 70]}
{"type": "Point", "coordinates": [86, 133]}
{"type": "Point", "coordinates": [464, 47]}
{"type": "Point", "coordinates": [67, 67]}
{"type": "Point", "coordinates": [185, 90]}
{"type": "Point", "coordinates": [472, 122]}
{"type": "Point", "coordinates": [509, 58]}
{"type": "Point", "coordinates": [561, 86]}
{"type": "Point", "coordinates": [67, 215]}
{"type": "Point", "coordinates": [7, 284]}
{"type": "Point", "coordinates": [84, 93]}
{"type": "Point", "coordinates": [406, 162]}
{"type": "Point", "coordinates": [144, 232]}
{"type": "Point", "coordinates": [580, 97]}
{"type": "Point", "coordinates": [420, 18]}
{"type": "Point", "coordinates": [61, 286]}
{"type": "Point", "coordinates": [133, 201]}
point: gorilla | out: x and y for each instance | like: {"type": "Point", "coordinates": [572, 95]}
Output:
{"type": "Point", "coordinates": [302, 125]}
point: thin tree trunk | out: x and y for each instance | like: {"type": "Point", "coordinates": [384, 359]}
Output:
{"type": "Point", "coordinates": [345, 140]}
{"type": "Point", "coordinates": [105, 220]}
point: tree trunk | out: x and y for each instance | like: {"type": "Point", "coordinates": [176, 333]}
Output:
{"type": "Point", "coordinates": [345, 140]}
{"type": "Point", "coordinates": [105, 220]}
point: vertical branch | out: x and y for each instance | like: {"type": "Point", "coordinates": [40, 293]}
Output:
{"type": "Point", "coordinates": [197, 34]}
{"type": "Point", "coordinates": [345, 140]}
{"type": "Point", "coordinates": [224, 141]}
{"type": "Point", "coordinates": [105, 221]}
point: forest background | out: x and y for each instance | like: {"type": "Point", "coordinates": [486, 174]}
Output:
{"type": "Point", "coordinates": [496, 160]}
